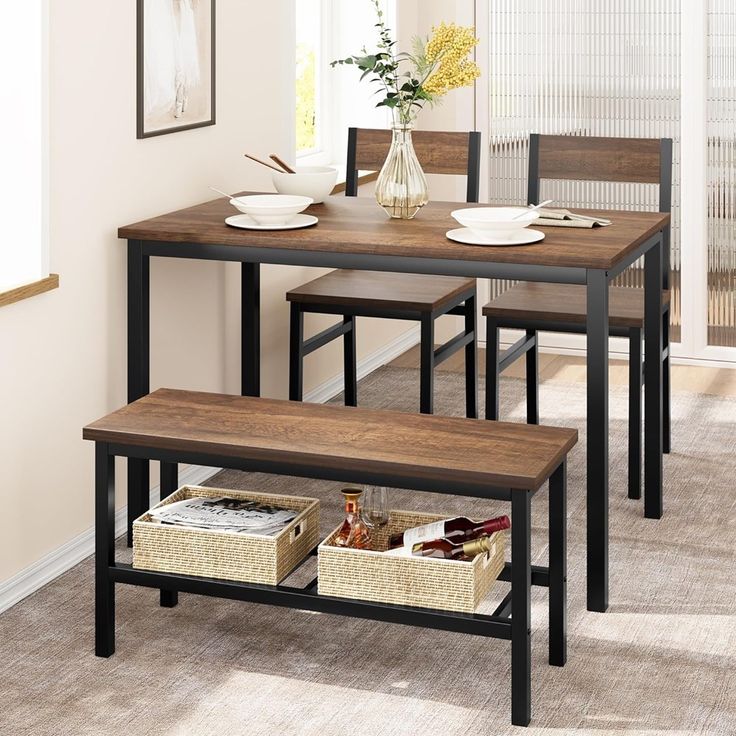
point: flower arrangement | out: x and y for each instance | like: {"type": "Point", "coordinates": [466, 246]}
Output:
{"type": "Point", "coordinates": [438, 64]}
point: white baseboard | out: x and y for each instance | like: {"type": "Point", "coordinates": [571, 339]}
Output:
{"type": "Point", "coordinates": [75, 550]}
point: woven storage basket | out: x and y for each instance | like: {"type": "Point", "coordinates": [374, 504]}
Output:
{"type": "Point", "coordinates": [247, 558]}
{"type": "Point", "coordinates": [426, 582]}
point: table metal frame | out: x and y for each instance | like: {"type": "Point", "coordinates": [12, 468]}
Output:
{"type": "Point", "coordinates": [596, 280]}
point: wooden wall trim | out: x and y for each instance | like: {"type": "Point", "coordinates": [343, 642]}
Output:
{"type": "Point", "coordinates": [28, 290]}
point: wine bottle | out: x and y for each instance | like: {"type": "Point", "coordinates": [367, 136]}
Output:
{"type": "Point", "coordinates": [457, 529]}
{"type": "Point", "coordinates": [451, 550]}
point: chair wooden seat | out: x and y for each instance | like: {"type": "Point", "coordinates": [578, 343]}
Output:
{"type": "Point", "coordinates": [566, 303]}
{"type": "Point", "coordinates": [382, 290]}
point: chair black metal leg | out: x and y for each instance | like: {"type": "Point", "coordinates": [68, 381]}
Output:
{"type": "Point", "coordinates": [471, 360]}
{"type": "Point", "coordinates": [426, 369]}
{"type": "Point", "coordinates": [296, 357]}
{"type": "Point", "coordinates": [350, 363]}
{"type": "Point", "coordinates": [492, 374]}
{"type": "Point", "coordinates": [138, 369]}
{"type": "Point", "coordinates": [532, 380]}
{"type": "Point", "coordinates": [635, 429]}
{"type": "Point", "coordinates": [558, 566]}
{"type": "Point", "coordinates": [666, 391]}
{"type": "Point", "coordinates": [653, 381]}
{"type": "Point", "coordinates": [168, 484]}
{"type": "Point", "coordinates": [521, 582]}
{"type": "Point", "coordinates": [104, 551]}
{"type": "Point", "coordinates": [250, 337]}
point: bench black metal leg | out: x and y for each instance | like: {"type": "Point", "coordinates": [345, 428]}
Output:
{"type": "Point", "coordinates": [168, 484]}
{"type": "Point", "coordinates": [492, 375]}
{"type": "Point", "coordinates": [471, 360]}
{"type": "Point", "coordinates": [521, 583]}
{"type": "Point", "coordinates": [635, 430]}
{"type": "Point", "coordinates": [532, 380]}
{"type": "Point", "coordinates": [250, 327]}
{"type": "Point", "coordinates": [426, 369]}
{"type": "Point", "coordinates": [351, 363]}
{"type": "Point", "coordinates": [558, 566]}
{"type": "Point", "coordinates": [138, 369]}
{"type": "Point", "coordinates": [666, 425]}
{"type": "Point", "coordinates": [104, 551]}
{"type": "Point", "coordinates": [296, 358]}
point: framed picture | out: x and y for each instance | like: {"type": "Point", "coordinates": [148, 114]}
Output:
{"type": "Point", "coordinates": [176, 65]}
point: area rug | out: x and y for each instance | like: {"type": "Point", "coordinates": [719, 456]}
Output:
{"type": "Point", "coordinates": [661, 661]}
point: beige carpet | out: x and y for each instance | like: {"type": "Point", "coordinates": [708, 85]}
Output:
{"type": "Point", "coordinates": [661, 662]}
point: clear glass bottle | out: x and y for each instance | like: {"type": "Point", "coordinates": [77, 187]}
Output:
{"type": "Point", "coordinates": [353, 532]}
{"type": "Point", "coordinates": [402, 188]}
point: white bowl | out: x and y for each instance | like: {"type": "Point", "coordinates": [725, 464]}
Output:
{"type": "Point", "coordinates": [316, 182]}
{"type": "Point", "coordinates": [495, 222]}
{"type": "Point", "coordinates": [271, 209]}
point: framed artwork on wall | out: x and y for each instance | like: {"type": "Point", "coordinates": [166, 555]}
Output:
{"type": "Point", "coordinates": [176, 65]}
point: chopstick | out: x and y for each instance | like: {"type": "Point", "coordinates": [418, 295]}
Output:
{"type": "Point", "coordinates": [282, 164]}
{"type": "Point", "coordinates": [262, 163]}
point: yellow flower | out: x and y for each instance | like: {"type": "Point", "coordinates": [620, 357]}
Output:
{"type": "Point", "coordinates": [450, 46]}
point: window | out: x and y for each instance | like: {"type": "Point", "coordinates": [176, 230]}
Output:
{"type": "Point", "coordinates": [329, 101]}
{"type": "Point", "coordinates": [23, 251]}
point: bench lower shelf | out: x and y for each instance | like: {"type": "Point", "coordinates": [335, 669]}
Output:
{"type": "Point", "coordinates": [496, 626]}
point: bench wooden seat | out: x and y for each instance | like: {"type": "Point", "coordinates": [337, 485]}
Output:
{"type": "Point", "coordinates": [412, 448]}
{"type": "Point", "coordinates": [465, 456]}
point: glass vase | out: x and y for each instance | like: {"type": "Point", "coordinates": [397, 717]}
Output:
{"type": "Point", "coordinates": [401, 188]}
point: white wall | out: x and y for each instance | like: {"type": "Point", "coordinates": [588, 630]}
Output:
{"type": "Point", "coordinates": [63, 354]}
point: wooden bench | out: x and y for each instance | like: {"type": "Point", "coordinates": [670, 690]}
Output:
{"type": "Point", "coordinates": [484, 459]}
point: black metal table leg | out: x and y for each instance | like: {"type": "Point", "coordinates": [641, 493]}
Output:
{"type": "Point", "coordinates": [296, 356]}
{"type": "Point", "coordinates": [532, 379]}
{"type": "Point", "coordinates": [471, 360]}
{"type": "Point", "coordinates": [104, 551]}
{"type": "Point", "coordinates": [653, 381]}
{"type": "Point", "coordinates": [597, 466]}
{"type": "Point", "coordinates": [558, 566]}
{"type": "Point", "coordinates": [138, 369]}
{"type": "Point", "coordinates": [350, 362]}
{"type": "Point", "coordinates": [493, 375]}
{"type": "Point", "coordinates": [635, 431]}
{"type": "Point", "coordinates": [169, 483]}
{"type": "Point", "coordinates": [521, 585]}
{"type": "Point", "coordinates": [250, 328]}
{"type": "Point", "coordinates": [426, 368]}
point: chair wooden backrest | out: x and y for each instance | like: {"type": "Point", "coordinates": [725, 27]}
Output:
{"type": "Point", "coordinates": [438, 153]}
{"type": "Point", "coordinates": [588, 158]}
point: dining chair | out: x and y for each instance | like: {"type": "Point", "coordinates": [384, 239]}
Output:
{"type": "Point", "coordinates": [417, 297]}
{"type": "Point", "coordinates": [561, 307]}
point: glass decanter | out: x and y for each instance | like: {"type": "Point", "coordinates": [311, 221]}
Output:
{"type": "Point", "coordinates": [353, 532]}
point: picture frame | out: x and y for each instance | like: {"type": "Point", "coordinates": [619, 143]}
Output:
{"type": "Point", "coordinates": [176, 64]}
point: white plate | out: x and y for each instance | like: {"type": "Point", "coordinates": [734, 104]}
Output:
{"type": "Point", "coordinates": [245, 222]}
{"type": "Point", "coordinates": [523, 237]}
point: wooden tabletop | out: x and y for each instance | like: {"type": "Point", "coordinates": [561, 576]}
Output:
{"type": "Point", "coordinates": [406, 446]}
{"type": "Point", "coordinates": [357, 225]}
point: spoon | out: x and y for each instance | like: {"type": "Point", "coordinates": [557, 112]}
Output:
{"type": "Point", "coordinates": [531, 209]}
{"type": "Point", "coordinates": [224, 194]}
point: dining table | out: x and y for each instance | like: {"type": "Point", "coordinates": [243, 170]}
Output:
{"type": "Point", "coordinates": [354, 233]}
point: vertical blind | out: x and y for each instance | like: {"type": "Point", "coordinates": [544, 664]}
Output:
{"type": "Point", "coordinates": [585, 67]}
{"type": "Point", "coordinates": [721, 160]}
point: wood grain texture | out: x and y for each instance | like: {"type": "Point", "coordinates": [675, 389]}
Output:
{"type": "Point", "coordinates": [356, 225]}
{"type": "Point", "coordinates": [381, 289]}
{"type": "Point", "coordinates": [364, 178]}
{"type": "Point", "coordinates": [438, 152]}
{"type": "Point", "coordinates": [28, 290]}
{"type": "Point", "coordinates": [584, 158]}
{"type": "Point", "coordinates": [411, 446]}
{"type": "Point", "coordinates": [567, 303]}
